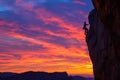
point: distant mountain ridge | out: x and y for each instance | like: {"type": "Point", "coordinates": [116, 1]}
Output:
{"type": "Point", "coordinates": [6, 74]}
{"type": "Point", "coordinates": [39, 76]}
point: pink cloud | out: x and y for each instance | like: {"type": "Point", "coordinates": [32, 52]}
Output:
{"type": "Point", "coordinates": [56, 57]}
{"type": "Point", "coordinates": [79, 2]}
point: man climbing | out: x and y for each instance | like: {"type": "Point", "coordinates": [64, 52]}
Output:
{"type": "Point", "coordinates": [85, 28]}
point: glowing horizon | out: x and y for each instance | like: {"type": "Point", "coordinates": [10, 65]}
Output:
{"type": "Point", "coordinates": [44, 35]}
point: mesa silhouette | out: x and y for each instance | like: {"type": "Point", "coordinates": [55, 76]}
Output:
{"type": "Point", "coordinates": [30, 75]}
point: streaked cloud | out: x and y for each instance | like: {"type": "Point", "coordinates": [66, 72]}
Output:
{"type": "Point", "coordinates": [43, 35]}
{"type": "Point", "coordinates": [79, 2]}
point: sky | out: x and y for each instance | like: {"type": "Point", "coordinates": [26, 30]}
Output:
{"type": "Point", "coordinates": [44, 35]}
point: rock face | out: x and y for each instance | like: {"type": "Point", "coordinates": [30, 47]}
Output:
{"type": "Point", "coordinates": [101, 49]}
{"type": "Point", "coordinates": [109, 12]}
{"type": "Point", "coordinates": [103, 39]}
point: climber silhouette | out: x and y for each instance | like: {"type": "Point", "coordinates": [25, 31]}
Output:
{"type": "Point", "coordinates": [85, 28]}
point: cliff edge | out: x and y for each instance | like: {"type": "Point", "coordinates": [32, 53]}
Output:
{"type": "Point", "coordinates": [103, 39]}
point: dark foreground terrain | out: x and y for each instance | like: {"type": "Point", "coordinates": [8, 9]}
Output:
{"type": "Point", "coordinates": [40, 76]}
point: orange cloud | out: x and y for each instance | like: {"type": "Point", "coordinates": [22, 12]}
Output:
{"type": "Point", "coordinates": [55, 56]}
{"type": "Point", "coordinates": [74, 60]}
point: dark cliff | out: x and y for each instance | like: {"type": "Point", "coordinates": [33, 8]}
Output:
{"type": "Point", "coordinates": [103, 39]}
{"type": "Point", "coordinates": [109, 12]}
{"type": "Point", "coordinates": [101, 49]}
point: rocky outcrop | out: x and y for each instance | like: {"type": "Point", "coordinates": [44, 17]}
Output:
{"type": "Point", "coordinates": [101, 49]}
{"type": "Point", "coordinates": [109, 12]}
{"type": "Point", "coordinates": [103, 39]}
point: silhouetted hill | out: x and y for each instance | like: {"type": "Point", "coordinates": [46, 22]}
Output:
{"type": "Point", "coordinates": [6, 74]}
{"type": "Point", "coordinates": [39, 76]}
{"type": "Point", "coordinates": [80, 78]}
{"type": "Point", "coordinates": [77, 78]}
{"type": "Point", "coordinates": [90, 79]}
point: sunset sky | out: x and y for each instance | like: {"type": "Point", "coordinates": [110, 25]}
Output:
{"type": "Point", "coordinates": [44, 35]}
